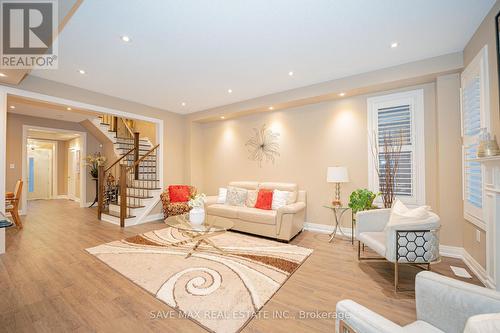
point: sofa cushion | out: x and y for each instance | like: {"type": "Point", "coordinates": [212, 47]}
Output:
{"type": "Point", "coordinates": [290, 187]}
{"type": "Point", "coordinates": [257, 215]}
{"type": "Point", "coordinates": [264, 199]}
{"type": "Point", "coordinates": [245, 184]}
{"type": "Point", "coordinates": [251, 198]}
{"type": "Point", "coordinates": [179, 193]}
{"type": "Point", "coordinates": [420, 326]}
{"type": "Point", "coordinates": [236, 196]}
{"type": "Point", "coordinates": [223, 210]}
{"type": "Point", "coordinates": [374, 240]}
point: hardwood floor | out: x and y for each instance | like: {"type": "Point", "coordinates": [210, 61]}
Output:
{"type": "Point", "coordinates": [49, 283]}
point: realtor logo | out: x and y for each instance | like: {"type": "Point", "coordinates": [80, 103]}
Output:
{"type": "Point", "coordinates": [28, 31]}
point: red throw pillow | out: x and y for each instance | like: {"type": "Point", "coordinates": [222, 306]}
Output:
{"type": "Point", "coordinates": [179, 193]}
{"type": "Point", "coordinates": [264, 199]}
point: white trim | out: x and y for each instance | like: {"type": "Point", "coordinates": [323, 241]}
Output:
{"type": "Point", "coordinates": [24, 167]}
{"type": "Point", "coordinates": [152, 218]}
{"type": "Point", "coordinates": [326, 229]}
{"type": "Point", "coordinates": [3, 148]}
{"type": "Point", "coordinates": [61, 196]}
{"type": "Point", "coordinates": [415, 98]}
{"type": "Point", "coordinates": [451, 251]}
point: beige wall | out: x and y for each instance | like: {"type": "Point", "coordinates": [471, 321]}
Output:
{"type": "Point", "coordinates": [484, 35]}
{"type": "Point", "coordinates": [330, 133]}
{"type": "Point", "coordinates": [15, 124]}
{"type": "Point", "coordinates": [62, 168]}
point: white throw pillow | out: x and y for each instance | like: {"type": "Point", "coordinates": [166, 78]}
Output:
{"type": "Point", "coordinates": [221, 198]}
{"type": "Point", "coordinates": [400, 214]}
{"type": "Point", "coordinates": [280, 199]}
{"type": "Point", "coordinates": [483, 323]}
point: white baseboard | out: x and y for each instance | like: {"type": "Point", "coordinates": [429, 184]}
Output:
{"type": "Point", "coordinates": [326, 229]}
{"type": "Point", "coordinates": [444, 250]}
{"type": "Point", "coordinates": [153, 217]}
{"type": "Point", "coordinates": [62, 196]}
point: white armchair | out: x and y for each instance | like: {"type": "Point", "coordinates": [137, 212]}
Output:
{"type": "Point", "coordinates": [444, 305]}
{"type": "Point", "coordinates": [409, 243]}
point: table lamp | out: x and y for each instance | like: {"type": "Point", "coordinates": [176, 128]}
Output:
{"type": "Point", "coordinates": [337, 175]}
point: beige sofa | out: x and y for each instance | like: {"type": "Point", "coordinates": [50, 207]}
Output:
{"type": "Point", "coordinates": [283, 224]}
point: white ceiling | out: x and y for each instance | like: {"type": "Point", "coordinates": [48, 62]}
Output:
{"type": "Point", "coordinates": [47, 112]}
{"type": "Point", "coordinates": [51, 135]}
{"type": "Point", "coordinates": [194, 51]}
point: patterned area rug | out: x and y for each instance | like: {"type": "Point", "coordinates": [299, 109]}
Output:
{"type": "Point", "coordinates": [219, 292]}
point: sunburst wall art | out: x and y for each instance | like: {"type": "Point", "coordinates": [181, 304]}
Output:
{"type": "Point", "coordinates": [263, 145]}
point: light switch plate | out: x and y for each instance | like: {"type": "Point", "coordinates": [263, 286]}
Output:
{"type": "Point", "coordinates": [478, 236]}
{"type": "Point", "coordinates": [12, 166]}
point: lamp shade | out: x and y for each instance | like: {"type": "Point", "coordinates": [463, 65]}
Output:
{"type": "Point", "coordinates": [337, 174]}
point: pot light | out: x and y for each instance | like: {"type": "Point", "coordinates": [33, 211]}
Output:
{"type": "Point", "coordinates": [222, 117]}
{"type": "Point", "coordinates": [68, 108]}
{"type": "Point", "coordinates": [290, 73]}
{"type": "Point", "coordinates": [342, 94]}
{"type": "Point", "coordinates": [12, 107]}
{"type": "Point", "coordinates": [81, 71]}
{"type": "Point", "coordinates": [229, 91]}
{"type": "Point", "coordinates": [394, 45]}
{"type": "Point", "coordinates": [3, 75]}
{"type": "Point", "coordinates": [271, 108]}
{"type": "Point", "coordinates": [125, 38]}
{"type": "Point", "coordinates": [183, 103]}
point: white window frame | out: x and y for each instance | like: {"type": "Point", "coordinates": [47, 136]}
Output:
{"type": "Point", "coordinates": [477, 67]}
{"type": "Point", "coordinates": [415, 99]}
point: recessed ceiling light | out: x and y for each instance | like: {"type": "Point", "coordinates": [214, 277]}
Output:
{"type": "Point", "coordinates": [125, 38]}
{"type": "Point", "coordinates": [342, 94]}
{"type": "Point", "coordinates": [394, 45]}
{"type": "Point", "coordinates": [290, 73]}
{"type": "Point", "coordinates": [12, 107]}
{"type": "Point", "coordinates": [271, 108]}
{"type": "Point", "coordinates": [222, 117]}
{"type": "Point", "coordinates": [81, 71]}
{"type": "Point", "coordinates": [183, 103]}
{"type": "Point", "coordinates": [229, 91]}
{"type": "Point", "coordinates": [3, 75]}
{"type": "Point", "coordinates": [68, 108]}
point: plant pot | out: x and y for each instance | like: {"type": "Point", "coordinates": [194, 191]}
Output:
{"type": "Point", "coordinates": [197, 215]}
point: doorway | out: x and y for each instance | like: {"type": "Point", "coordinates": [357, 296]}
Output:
{"type": "Point", "coordinates": [41, 166]}
{"type": "Point", "coordinates": [74, 170]}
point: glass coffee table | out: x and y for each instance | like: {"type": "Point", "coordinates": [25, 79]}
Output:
{"type": "Point", "coordinates": [199, 234]}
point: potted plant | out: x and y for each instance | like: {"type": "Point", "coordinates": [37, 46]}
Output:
{"type": "Point", "coordinates": [361, 199]}
{"type": "Point", "coordinates": [197, 212]}
{"type": "Point", "coordinates": [93, 161]}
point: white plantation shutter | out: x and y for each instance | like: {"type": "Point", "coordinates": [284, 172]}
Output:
{"type": "Point", "coordinates": [392, 117]}
{"type": "Point", "coordinates": [393, 123]}
{"type": "Point", "coordinates": [475, 116]}
{"type": "Point", "coordinates": [471, 110]}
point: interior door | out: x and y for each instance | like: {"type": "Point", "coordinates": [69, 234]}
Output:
{"type": "Point", "coordinates": [39, 174]}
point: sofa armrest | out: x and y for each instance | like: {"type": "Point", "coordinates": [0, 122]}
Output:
{"type": "Point", "coordinates": [447, 303]}
{"type": "Point", "coordinates": [362, 319]}
{"type": "Point", "coordinates": [210, 200]}
{"type": "Point", "coordinates": [372, 220]}
{"type": "Point", "coordinates": [292, 208]}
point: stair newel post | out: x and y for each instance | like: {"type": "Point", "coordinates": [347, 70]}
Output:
{"type": "Point", "coordinates": [114, 126]}
{"type": "Point", "coordinates": [123, 194]}
{"type": "Point", "coordinates": [100, 190]}
{"type": "Point", "coordinates": [136, 155]}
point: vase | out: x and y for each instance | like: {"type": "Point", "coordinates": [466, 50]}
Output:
{"type": "Point", "coordinates": [197, 215]}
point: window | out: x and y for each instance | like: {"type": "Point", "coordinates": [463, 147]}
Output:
{"type": "Point", "coordinates": [475, 116]}
{"type": "Point", "coordinates": [399, 116]}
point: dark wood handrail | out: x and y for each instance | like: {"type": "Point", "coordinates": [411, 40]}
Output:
{"type": "Point", "coordinates": [118, 160]}
{"type": "Point", "coordinates": [136, 163]}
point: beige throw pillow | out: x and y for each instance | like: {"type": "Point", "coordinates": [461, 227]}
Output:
{"type": "Point", "coordinates": [251, 198]}
{"type": "Point", "coordinates": [400, 214]}
{"type": "Point", "coordinates": [236, 196]}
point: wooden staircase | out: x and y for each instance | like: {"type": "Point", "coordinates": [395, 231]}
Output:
{"type": "Point", "coordinates": [129, 187]}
